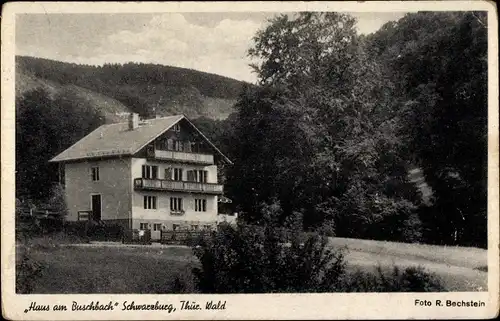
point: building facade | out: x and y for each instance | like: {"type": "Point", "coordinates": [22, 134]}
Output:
{"type": "Point", "coordinates": [154, 174]}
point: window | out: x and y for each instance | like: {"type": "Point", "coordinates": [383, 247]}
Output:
{"type": "Point", "coordinates": [178, 146]}
{"type": "Point", "coordinates": [156, 227]}
{"type": "Point", "coordinates": [197, 176]}
{"type": "Point", "coordinates": [193, 147]}
{"type": "Point", "coordinates": [175, 227]}
{"type": "Point", "coordinates": [144, 226]}
{"type": "Point", "coordinates": [150, 202]}
{"type": "Point", "coordinates": [176, 204]}
{"type": "Point", "coordinates": [194, 227]}
{"type": "Point", "coordinates": [177, 127]}
{"type": "Point", "coordinates": [168, 173]}
{"type": "Point", "coordinates": [95, 173]}
{"type": "Point", "coordinates": [200, 205]}
{"type": "Point", "coordinates": [149, 171]}
{"type": "Point", "coordinates": [177, 174]}
{"type": "Point", "coordinates": [170, 144]}
{"type": "Point", "coordinates": [187, 147]}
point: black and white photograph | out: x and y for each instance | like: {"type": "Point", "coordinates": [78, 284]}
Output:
{"type": "Point", "coordinates": [202, 153]}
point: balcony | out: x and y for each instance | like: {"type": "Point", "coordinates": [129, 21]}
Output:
{"type": "Point", "coordinates": [184, 157]}
{"type": "Point", "coordinates": [177, 186]}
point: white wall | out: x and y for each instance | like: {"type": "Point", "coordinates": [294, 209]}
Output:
{"type": "Point", "coordinates": [162, 213]}
{"type": "Point", "coordinates": [114, 185]}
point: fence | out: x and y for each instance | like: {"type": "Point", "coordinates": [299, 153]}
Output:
{"type": "Point", "coordinates": [137, 237]}
{"type": "Point", "coordinates": [183, 237]}
{"type": "Point", "coordinates": [95, 231]}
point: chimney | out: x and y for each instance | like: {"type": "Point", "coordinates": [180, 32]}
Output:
{"type": "Point", "coordinates": [133, 121]}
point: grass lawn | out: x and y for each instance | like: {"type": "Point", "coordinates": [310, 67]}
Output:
{"type": "Point", "coordinates": [112, 269]}
{"type": "Point", "coordinates": [152, 269]}
{"type": "Point", "coordinates": [459, 268]}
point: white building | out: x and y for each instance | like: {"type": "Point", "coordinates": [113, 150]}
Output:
{"type": "Point", "coordinates": [158, 173]}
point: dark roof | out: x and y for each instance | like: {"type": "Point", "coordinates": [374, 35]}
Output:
{"type": "Point", "coordinates": [118, 140]}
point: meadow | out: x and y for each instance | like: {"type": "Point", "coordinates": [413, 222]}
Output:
{"type": "Point", "coordinates": [117, 268]}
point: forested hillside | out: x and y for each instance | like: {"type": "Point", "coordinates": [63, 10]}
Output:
{"type": "Point", "coordinates": [144, 88]}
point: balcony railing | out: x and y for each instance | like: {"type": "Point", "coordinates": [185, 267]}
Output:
{"type": "Point", "coordinates": [168, 185]}
{"type": "Point", "coordinates": [184, 157]}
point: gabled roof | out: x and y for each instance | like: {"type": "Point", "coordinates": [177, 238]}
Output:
{"type": "Point", "coordinates": [118, 140]}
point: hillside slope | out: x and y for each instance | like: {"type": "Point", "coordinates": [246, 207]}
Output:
{"type": "Point", "coordinates": [110, 109]}
{"type": "Point", "coordinates": [144, 88]}
{"type": "Point", "coordinates": [459, 268]}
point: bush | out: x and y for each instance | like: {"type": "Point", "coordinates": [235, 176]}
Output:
{"type": "Point", "coordinates": [90, 230]}
{"type": "Point", "coordinates": [412, 279]}
{"type": "Point", "coordinates": [245, 259]}
{"type": "Point", "coordinates": [27, 271]}
{"type": "Point", "coordinates": [57, 200]}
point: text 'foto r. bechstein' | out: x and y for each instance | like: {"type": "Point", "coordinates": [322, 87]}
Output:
{"type": "Point", "coordinates": [155, 174]}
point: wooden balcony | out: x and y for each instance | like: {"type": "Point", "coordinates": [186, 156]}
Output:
{"type": "Point", "coordinates": [177, 186]}
{"type": "Point", "coordinates": [184, 157]}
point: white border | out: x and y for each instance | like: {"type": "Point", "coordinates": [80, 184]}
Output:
{"type": "Point", "coordinates": [268, 306]}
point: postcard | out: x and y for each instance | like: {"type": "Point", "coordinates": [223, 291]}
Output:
{"type": "Point", "coordinates": [250, 160]}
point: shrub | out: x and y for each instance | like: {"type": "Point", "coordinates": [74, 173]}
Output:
{"type": "Point", "coordinates": [57, 200]}
{"type": "Point", "coordinates": [327, 229]}
{"type": "Point", "coordinates": [411, 279]}
{"type": "Point", "coordinates": [27, 271]}
{"type": "Point", "coordinates": [90, 230]}
{"type": "Point", "coordinates": [246, 259]}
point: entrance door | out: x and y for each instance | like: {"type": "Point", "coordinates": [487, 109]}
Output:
{"type": "Point", "coordinates": [156, 231]}
{"type": "Point", "coordinates": [96, 207]}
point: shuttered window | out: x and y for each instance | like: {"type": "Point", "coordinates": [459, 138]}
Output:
{"type": "Point", "coordinates": [149, 202]}
{"type": "Point", "coordinates": [170, 144]}
{"type": "Point", "coordinates": [175, 204]}
{"type": "Point", "coordinates": [200, 205]}
{"type": "Point", "coordinates": [168, 173]}
{"type": "Point", "coordinates": [177, 174]}
{"type": "Point", "coordinates": [149, 171]}
{"type": "Point", "coordinates": [95, 173]}
{"type": "Point", "coordinates": [200, 176]}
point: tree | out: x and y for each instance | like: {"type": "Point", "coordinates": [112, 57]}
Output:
{"type": "Point", "coordinates": [439, 63]}
{"type": "Point", "coordinates": [46, 126]}
{"type": "Point", "coordinates": [315, 136]}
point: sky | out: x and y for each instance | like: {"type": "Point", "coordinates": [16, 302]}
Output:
{"type": "Point", "coordinates": [211, 42]}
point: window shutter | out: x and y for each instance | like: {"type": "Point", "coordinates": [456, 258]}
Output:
{"type": "Point", "coordinates": [168, 173]}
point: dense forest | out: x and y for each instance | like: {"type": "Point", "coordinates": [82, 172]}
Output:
{"type": "Point", "coordinates": [327, 137]}
{"type": "Point", "coordinates": [143, 88]}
